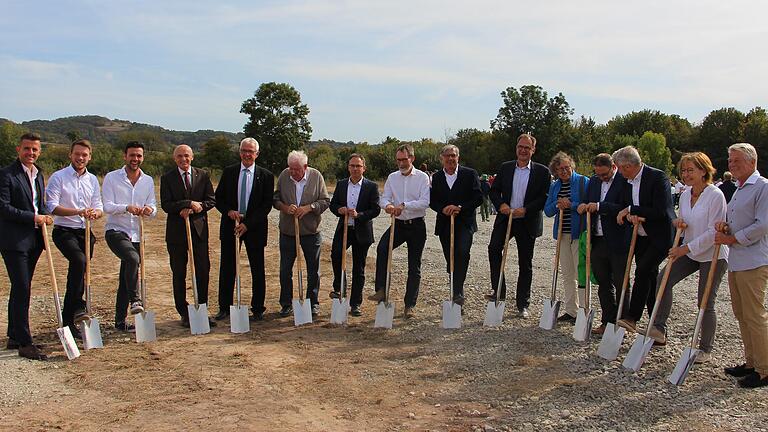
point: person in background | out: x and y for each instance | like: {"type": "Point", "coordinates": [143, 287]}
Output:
{"type": "Point", "coordinates": [727, 187]}
{"type": "Point", "coordinates": [485, 188]}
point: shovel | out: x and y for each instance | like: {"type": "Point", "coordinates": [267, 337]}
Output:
{"type": "Point", "coordinates": [613, 336]}
{"type": "Point", "coordinates": [585, 315]}
{"type": "Point", "coordinates": [643, 343]}
{"type": "Point", "coordinates": [302, 309]}
{"type": "Point", "coordinates": [65, 334]}
{"type": "Point", "coordinates": [89, 328]}
{"type": "Point", "coordinates": [689, 354]}
{"type": "Point", "coordinates": [198, 313]}
{"type": "Point", "coordinates": [238, 314]}
{"type": "Point", "coordinates": [340, 306]}
{"type": "Point", "coordinates": [552, 306]}
{"type": "Point", "coordinates": [451, 310]}
{"type": "Point", "coordinates": [385, 311]}
{"type": "Point", "coordinates": [145, 321]}
{"type": "Point", "coordinates": [494, 310]}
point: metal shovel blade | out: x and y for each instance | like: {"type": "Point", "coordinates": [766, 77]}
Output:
{"type": "Point", "coordinates": [451, 315]}
{"type": "Point", "coordinates": [583, 327]}
{"type": "Point", "coordinates": [683, 366]}
{"type": "Point", "coordinates": [198, 319]}
{"type": "Point", "coordinates": [302, 312]}
{"type": "Point", "coordinates": [238, 319]}
{"type": "Point", "coordinates": [494, 314]}
{"type": "Point", "coordinates": [68, 342]}
{"type": "Point", "coordinates": [611, 342]}
{"type": "Point", "coordinates": [637, 354]}
{"type": "Point", "coordinates": [145, 327]}
{"type": "Point", "coordinates": [339, 309]}
{"type": "Point", "coordinates": [91, 334]}
{"type": "Point", "coordinates": [549, 314]}
{"type": "Point", "coordinates": [385, 314]}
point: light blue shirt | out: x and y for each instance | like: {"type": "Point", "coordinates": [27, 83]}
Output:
{"type": "Point", "coordinates": [519, 186]}
{"type": "Point", "coordinates": [748, 221]}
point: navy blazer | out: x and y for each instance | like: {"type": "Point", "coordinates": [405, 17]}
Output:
{"type": "Point", "coordinates": [259, 204]}
{"type": "Point", "coordinates": [465, 192]}
{"type": "Point", "coordinates": [535, 195]}
{"type": "Point", "coordinates": [17, 214]}
{"type": "Point", "coordinates": [173, 199]}
{"type": "Point", "coordinates": [367, 209]}
{"type": "Point", "coordinates": [617, 236]}
{"type": "Point", "coordinates": [655, 206]}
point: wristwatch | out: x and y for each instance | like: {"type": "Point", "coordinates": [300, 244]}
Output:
{"type": "Point", "coordinates": [313, 206]}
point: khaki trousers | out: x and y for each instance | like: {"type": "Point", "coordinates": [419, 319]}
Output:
{"type": "Point", "coordinates": [748, 301]}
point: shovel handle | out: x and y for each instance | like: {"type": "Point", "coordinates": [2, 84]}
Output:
{"type": "Point", "coordinates": [143, 286]}
{"type": "Point", "coordinates": [389, 257]}
{"type": "Point", "coordinates": [300, 283]}
{"type": "Point", "coordinates": [344, 256]}
{"type": "Point", "coordinates": [52, 271]}
{"type": "Point", "coordinates": [237, 265]}
{"type": "Point", "coordinates": [588, 284]}
{"type": "Point", "coordinates": [663, 284]}
{"type": "Point", "coordinates": [627, 270]}
{"type": "Point", "coordinates": [503, 259]}
{"type": "Point", "coordinates": [88, 265]}
{"type": "Point", "coordinates": [556, 266]}
{"type": "Point", "coordinates": [452, 262]}
{"type": "Point", "coordinates": [191, 259]}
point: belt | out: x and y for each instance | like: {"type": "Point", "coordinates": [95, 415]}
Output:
{"type": "Point", "coordinates": [70, 229]}
{"type": "Point", "coordinates": [409, 221]}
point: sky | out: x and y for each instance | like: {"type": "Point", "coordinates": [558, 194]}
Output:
{"type": "Point", "coordinates": [371, 69]}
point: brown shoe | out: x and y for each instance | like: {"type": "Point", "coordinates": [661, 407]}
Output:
{"type": "Point", "coordinates": [659, 338]}
{"type": "Point", "coordinates": [408, 312]}
{"type": "Point", "coordinates": [378, 296]}
{"type": "Point", "coordinates": [599, 330]}
{"type": "Point", "coordinates": [628, 324]}
{"type": "Point", "coordinates": [32, 352]}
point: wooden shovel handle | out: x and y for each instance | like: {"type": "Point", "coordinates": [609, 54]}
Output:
{"type": "Point", "coordinates": [504, 258]}
{"type": "Point", "coordinates": [627, 270]}
{"type": "Point", "coordinates": [556, 266]}
{"type": "Point", "coordinates": [344, 244]}
{"type": "Point", "coordinates": [52, 272]}
{"type": "Point", "coordinates": [88, 265]}
{"type": "Point", "coordinates": [587, 283]}
{"type": "Point", "coordinates": [299, 281]}
{"type": "Point", "coordinates": [191, 259]}
{"type": "Point", "coordinates": [663, 284]}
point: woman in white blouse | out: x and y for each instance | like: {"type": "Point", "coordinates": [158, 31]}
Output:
{"type": "Point", "coordinates": [701, 205]}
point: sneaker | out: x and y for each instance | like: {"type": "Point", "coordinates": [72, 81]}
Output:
{"type": "Point", "coordinates": [334, 294]}
{"type": "Point", "coordinates": [523, 313]}
{"type": "Point", "coordinates": [753, 380]}
{"type": "Point", "coordinates": [628, 325]}
{"type": "Point", "coordinates": [408, 312]}
{"type": "Point", "coordinates": [286, 311]}
{"type": "Point", "coordinates": [703, 357]}
{"type": "Point", "coordinates": [659, 338]}
{"type": "Point", "coordinates": [125, 327]}
{"type": "Point", "coordinates": [136, 307]}
{"type": "Point", "coordinates": [378, 296]}
{"type": "Point", "coordinates": [739, 371]}
{"type": "Point", "coordinates": [315, 309]}
{"type": "Point", "coordinates": [598, 330]}
{"type": "Point", "coordinates": [355, 311]}
{"type": "Point", "coordinates": [567, 318]}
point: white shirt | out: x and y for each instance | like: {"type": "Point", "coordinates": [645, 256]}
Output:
{"type": "Point", "coordinates": [300, 186]}
{"type": "Point", "coordinates": [248, 184]}
{"type": "Point", "coordinates": [451, 178]}
{"type": "Point", "coordinates": [353, 194]}
{"type": "Point", "coordinates": [32, 176]}
{"type": "Point", "coordinates": [118, 193]}
{"type": "Point", "coordinates": [604, 188]}
{"type": "Point", "coordinates": [635, 182]}
{"type": "Point", "coordinates": [519, 185]}
{"type": "Point", "coordinates": [411, 190]}
{"type": "Point", "coordinates": [68, 189]}
{"type": "Point", "coordinates": [700, 233]}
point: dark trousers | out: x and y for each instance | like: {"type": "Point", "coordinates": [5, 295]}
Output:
{"type": "Point", "coordinates": [462, 243]}
{"type": "Point", "coordinates": [227, 275]}
{"type": "Point", "coordinates": [608, 267]}
{"type": "Point", "coordinates": [20, 266]}
{"type": "Point", "coordinates": [359, 254]}
{"type": "Point", "coordinates": [647, 261]}
{"type": "Point", "coordinates": [414, 234]}
{"type": "Point", "coordinates": [128, 290]}
{"type": "Point", "coordinates": [525, 243]}
{"type": "Point", "coordinates": [310, 248]}
{"type": "Point", "coordinates": [178, 256]}
{"type": "Point", "coordinates": [71, 244]}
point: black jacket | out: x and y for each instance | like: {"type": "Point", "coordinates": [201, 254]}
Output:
{"type": "Point", "coordinates": [535, 195]}
{"type": "Point", "coordinates": [173, 199]}
{"type": "Point", "coordinates": [465, 192]}
{"type": "Point", "coordinates": [367, 209]}
{"type": "Point", "coordinates": [617, 236]}
{"type": "Point", "coordinates": [17, 214]}
{"type": "Point", "coordinates": [259, 204]}
{"type": "Point", "coordinates": [655, 206]}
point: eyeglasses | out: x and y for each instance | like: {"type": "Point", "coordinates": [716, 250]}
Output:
{"type": "Point", "coordinates": [403, 159]}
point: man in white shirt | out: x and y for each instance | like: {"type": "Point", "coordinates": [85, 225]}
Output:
{"type": "Point", "coordinates": [406, 195]}
{"type": "Point", "coordinates": [73, 196]}
{"type": "Point", "coordinates": [128, 194]}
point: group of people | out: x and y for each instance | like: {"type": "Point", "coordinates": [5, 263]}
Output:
{"type": "Point", "coordinates": [622, 193]}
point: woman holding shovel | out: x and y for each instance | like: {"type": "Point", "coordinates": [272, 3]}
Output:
{"type": "Point", "coordinates": [701, 206]}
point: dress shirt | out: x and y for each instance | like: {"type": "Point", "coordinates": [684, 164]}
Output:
{"type": "Point", "coordinates": [189, 173]}
{"type": "Point", "coordinates": [604, 188]}
{"type": "Point", "coordinates": [353, 194]}
{"type": "Point", "coordinates": [748, 221]}
{"type": "Point", "coordinates": [519, 186]}
{"type": "Point", "coordinates": [118, 193]}
{"type": "Point", "coordinates": [635, 182]}
{"type": "Point", "coordinates": [451, 178]}
{"type": "Point", "coordinates": [411, 190]}
{"type": "Point", "coordinates": [248, 184]}
{"type": "Point", "coordinates": [701, 218]}
{"type": "Point", "coordinates": [68, 189]}
{"type": "Point", "coordinates": [300, 187]}
{"type": "Point", "coordinates": [32, 176]}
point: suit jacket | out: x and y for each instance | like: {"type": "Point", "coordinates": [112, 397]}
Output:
{"type": "Point", "coordinates": [17, 214]}
{"type": "Point", "coordinates": [173, 199]}
{"type": "Point", "coordinates": [617, 236]}
{"type": "Point", "coordinates": [728, 188]}
{"type": "Point", "coordinates": [535, 195]}
{"type": "Point", "coordinates": [655, 206]}
{"type": "Point", "coordinates": [259, 204]}
{"type": "Point", "coordinates": [367, 209]}
{"type": "Point", "coordinates": [465, 192]}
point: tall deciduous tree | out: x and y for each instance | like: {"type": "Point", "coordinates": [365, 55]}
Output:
{"type": "Point", "coordinates": [653, 150]}
{"type": "Point", "coordinates": [217, 153]}
{"type": "Point", "coordinates": [719, 129]}
{"type": "Point", "coordinates": [9, 138]}
{"type": "Point", "coordinates": [278, 120]}
{"type": "Point", "coordinates": [754, 130]}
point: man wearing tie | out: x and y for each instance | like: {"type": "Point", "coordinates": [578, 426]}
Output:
{"type": "Point", "coordinates": [244, 195]}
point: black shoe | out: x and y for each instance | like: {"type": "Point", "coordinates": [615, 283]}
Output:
{"type": "Point", "coordinates": [125, 327]}
{"type": "Point", "coordinates": [185, 322]}
{"type": "Point", "coordinates": [739, 371]}
{"type": "Point", "coordinates": [13, 345]}
{"type": "Point", "coordinates": [334, 294]}
{"type": "Point", "coordinates": [315, 309]}
{"type": "Point", "coordinates": [355, 311]}
{"type": "Point", "coordinates": [211, 322]}
{"type": "Point", "coordinates": [459, 300]}
{"type": "Point", "coordinates": [32, 352]}
{"type": "Point", "coordinates": [753, 380]}
{"type": "Point", "coordinates": [286, 311]}
{"type": "Point", "coordinates": [491, 297]}
{"type": "Point", "coordinates": [222, 315]}
{"type": "Point", "coordinates": [567, 318]}
{"type": "Point", "coordinates": [75, 332]}
{"type": "Point", "coordinates": [257, 316]}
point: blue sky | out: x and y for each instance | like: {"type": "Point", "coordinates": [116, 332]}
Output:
{"type": "Point", "coordinates": [409, 69]}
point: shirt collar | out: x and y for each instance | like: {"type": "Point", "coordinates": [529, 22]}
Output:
{"type": "Point", "coordinates": [73, 172]}
{"type": "Point", "coordinates": [125, 172]}
{"type": "Point", "coordinates": [751, 179]}
{"type": "Point", "coordinates": [638, 177]}
{"type": "Point", "coordinates": [454, 173]}
{"type": "Point", "coordinates": [358, 183]}
{"type": "Point", "coordinates": [306, 174]}
{"type": "Point", "coordinates": [249, 169]}
{"type": "Point", "coordinates": [181, 171]}
{"type": "Point", "coordinates": [613, 176]}
{"type": "Point", "coordinates": [525, 167]}
{"type": "Point", "coordinates": [30, 172]}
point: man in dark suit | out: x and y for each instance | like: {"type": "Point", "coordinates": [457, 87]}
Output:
{"type": "Point", "coordinates": [647, 195]}
{"type": "Point", "coordinates": [22, 213]}
{"type": "Point", "coordinates": [187, 192]}
{"type": "Point", "coordinates": [455, 191]}
{"type": "Point", "coordinates": [244, 194]}
{"type": "Point", "coordinates": [519, 191]}
{"type": "Point", "coordinates": [605, 194]}
{"type": "Point", "coordinates": [728, 188]}
{"type": "Point", "coordinates": [358, 198]}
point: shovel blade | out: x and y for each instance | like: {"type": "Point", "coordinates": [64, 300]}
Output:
{"type": "Point", "coordinates": [68, 342]}
{"type": "Point", "coordinates": [583, 327]}
{"type": "Point", "coordinates": [302, 312]}
{"type": "Point", "coordinates": [549, 314]}
{"type": "Point", "coordinates": [637, 354]}
{"type": "Point", "coordinates": [91, 332]}
{"type": "Point", "coordinates": [198, 319]}
{"type": "Point", "coordinates": [494, 314]}
{"type": "Point", "coordinates": [451, 315]}
{"type": "Point", "coordinates": [238, 319]}
{"type": "Point", "coordinates": [145, 327]}
{"type": "Point", "coordinates": [683, 366]}
{"type": "Point", "coordinates": [611, 342]}
{"type": "Point", "coordinates": [339, 310]}
{"type": "Point", "coordinates": [385, 314]}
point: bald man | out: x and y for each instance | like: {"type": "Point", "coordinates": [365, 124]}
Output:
{"type": "Point", "coordinates": [187, 192]}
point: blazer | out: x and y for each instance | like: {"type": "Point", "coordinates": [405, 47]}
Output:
{"type": "Point", "coordinates": [655, 206]}
{"type": "Point", "coordinates": [314, 193]}
{"type": "Point", "coordinates": [535, 195]}
{"type": "Point", "coordinates": [259, 204]}
{"type": "Point", "coordinates": [173, 199]}
{"type": "Point", "coordinates": [578, 190]}
{"type": "Point", "coordinates": [617, 236]}
{"type": "Point", "coordinates": [367, 209]}
{"type": "Point", "coordinates": [465, 192]}
{"type": "Point", "coordinates": [17, 214]}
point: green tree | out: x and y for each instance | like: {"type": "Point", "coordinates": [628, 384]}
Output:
{"type": "Point", "coordinates": [217, 153]}
{"type": "Point", "coordinates": [9, 138]}
{"type": "Point", "coordinates": [104, 159]}
{"type": "Point", "coordinates": [719, 129]}
{"type": "Point", "coordinates": [678, 131]}
{"type": "Point", "coordinates": [653, 150]}
{"type": "Point", "coordinates": [324, 158]}
{"type": "Point", "coordinates": [754, 130]}
{"type": "Point", "coordinates": [278, 120]}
